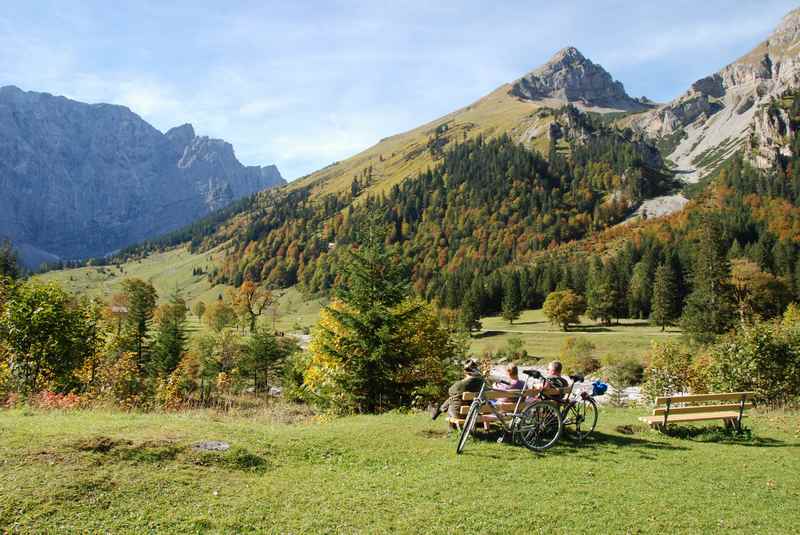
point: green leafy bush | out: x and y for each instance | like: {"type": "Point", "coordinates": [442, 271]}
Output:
{"type": "Point", "coordinates": [764, 358]}
{"type": "Point", "coordinates": [669, 370]}
{"type": "Point", "coordinates": [577, 356]}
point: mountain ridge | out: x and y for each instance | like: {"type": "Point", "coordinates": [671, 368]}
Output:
{"type": "Point", "coordinates": [79, 180]}
{"type": "Point", "coordinates": [715, 117]}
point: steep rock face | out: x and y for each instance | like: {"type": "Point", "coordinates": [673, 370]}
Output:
{"type": "Point", "coordinates": [80, 180]}
{"type": "Point", "coordinates": [770, 134]}
{"type": "Point", "coordinates": [570, 77]}
{"type": "Point", "coordinates": [715, 117]}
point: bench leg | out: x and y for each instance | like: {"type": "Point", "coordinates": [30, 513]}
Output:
{"type": "Point", "coordinates": [728, 423]}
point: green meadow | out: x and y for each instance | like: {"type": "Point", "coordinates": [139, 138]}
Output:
{"type": "Point", "coordinates": [95, 471]}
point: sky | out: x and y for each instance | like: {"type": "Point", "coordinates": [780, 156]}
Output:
{"type": "Point", "coordinates": [305, 83]}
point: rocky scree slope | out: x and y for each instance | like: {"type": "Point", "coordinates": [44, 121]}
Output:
{"type": "Point", "coordinates": [724, 112]}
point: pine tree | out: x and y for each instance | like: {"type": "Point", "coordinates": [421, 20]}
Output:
{"type": "Point", "coordinates": [512, 298]}
{"type": "Point", "coordinates": [375, 283]}
{"type": "Point", "coordinates": [709, 307]}
{"type": "Point", "coordinates": [264, 355]}
{"type": "Point", "coordinates": [9, 266]}
{"type": "Point", "coordinates": [664, 296]}
{"type": "Point", "coordinates": [170, 338]}
{"type": "Point", "coordinates": [640, 291]}
{"type": "Point", "coordinates": [470, 314]}
{"type": "Point", "coordinates": [601, 297]}
{"type": "Point", "coordinates": [141, 298]}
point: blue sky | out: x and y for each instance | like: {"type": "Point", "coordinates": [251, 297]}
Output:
{"type": "Point", "coordinates": [302, 84]}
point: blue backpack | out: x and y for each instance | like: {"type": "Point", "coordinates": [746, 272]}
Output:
{"type": "Point", "coordinates": [599, 388]}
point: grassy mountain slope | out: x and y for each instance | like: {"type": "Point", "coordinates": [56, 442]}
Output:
{"type": "Point", "coordinates": [403, 155]}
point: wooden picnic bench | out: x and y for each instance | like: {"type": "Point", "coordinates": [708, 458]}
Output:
{"type": "Point", "coordinates": [506, 408]}
{"type": "Point", "coordinates": [696, 408]}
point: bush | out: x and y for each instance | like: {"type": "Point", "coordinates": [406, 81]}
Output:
{"type": "Point", "coordinates": [577, 356]}
{"type": "Point", "coordinates": [764, 358]}
{"type": "Point", "coordinates": [55, 400]}
{"type": "Point", "coordinates": [622, 371]}
{"type": "Point", "coordinates": [669, 370]}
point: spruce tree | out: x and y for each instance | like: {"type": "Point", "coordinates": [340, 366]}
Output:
{"type": "Point", "coordinates": [170, 338]}
{"type": "Point", "coordinates": [709, 307]}
{"type": "Point", "coordinates": [9, 266]}
{"type": "Point", "coordinates": [470, 314]}
{"type": "Point", "coordinates": [375, 283]}
{"type": "Point", "coordinates": [663, 310]}
{"type": "Point", "coordinates": [141, 298]}
{"type": "Point", "coordinates": [512, 298]}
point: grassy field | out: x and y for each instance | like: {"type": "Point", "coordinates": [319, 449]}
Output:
{"type": "Point", "coordinates": [541, 338]}
{"type": "Point", "coordinates": [166, 271]}
{"type": "Point", "coordinates": [396, 473]}
{"type": "Point", "coordinates": [173, 269]}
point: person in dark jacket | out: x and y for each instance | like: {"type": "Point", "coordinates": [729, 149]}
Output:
{"type": "Point", "coordinates": [472, 382]}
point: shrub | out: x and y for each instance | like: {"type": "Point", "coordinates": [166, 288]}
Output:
{"type": "Point", "coordinates": [669, 370]}
{"type": "Point", "coordinates": [577, 356]}
{"type": "Point", "coordinates": [764, 358]}
{"type": "Point", "coordinates": [622, 371]}
{"type": "Point", "coordinates": [55, 400]}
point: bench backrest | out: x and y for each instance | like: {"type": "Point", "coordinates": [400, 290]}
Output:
{"type": "Point", "coordinates": [701, 398]}
{"type": "Point", "coordinates": [514, 394]}
{"type": "Point", "coordinates": [698, 403]}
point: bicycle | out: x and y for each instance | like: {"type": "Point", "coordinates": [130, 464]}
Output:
{"type": "Point", "coordinates": [579, 412]}
{"type": "Point", "coordinates": [537, 426]}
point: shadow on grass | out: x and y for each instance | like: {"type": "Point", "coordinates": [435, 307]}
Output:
{"type": "Point", "coordinates": [588, 329]}
{"type": "Point", "coordinates": [487, 334]}
{"type": "Point", "coordinates": [722, 435]}
{"type": "Point", "coordinates": [596, 443]}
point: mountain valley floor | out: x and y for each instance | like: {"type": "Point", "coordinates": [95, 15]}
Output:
{"type": "Point", "coordinates": [92, 471]}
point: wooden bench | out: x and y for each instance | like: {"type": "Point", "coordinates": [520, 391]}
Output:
{"type": "Point", "coordinates": [696, 408]}
{"type": "Point", "coordinates": [505, 408]}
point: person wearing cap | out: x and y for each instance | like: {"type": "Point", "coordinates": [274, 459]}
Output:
{"type": "Point", "coordinates": [472, 382]}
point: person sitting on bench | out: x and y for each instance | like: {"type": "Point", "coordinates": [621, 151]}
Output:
{"type": "Point", "coordinates": [472, 382]}
{"type": "Point", "coordinates": [512, 383]}
{"type": "Point", "coordinates": [553, 378]}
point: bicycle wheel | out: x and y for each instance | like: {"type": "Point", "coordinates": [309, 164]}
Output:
{"type": "Point", "coordinates": [540, 425]}
{"type": "Point", "coordinates": [582, 416]}
{"type": "Point", "coordinates": [469, 423]}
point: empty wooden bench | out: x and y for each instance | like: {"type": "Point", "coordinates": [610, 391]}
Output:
{"type": "Point", "coordinates": [700, 407]}
{"type": "Point", "coordinates": [506, 408]}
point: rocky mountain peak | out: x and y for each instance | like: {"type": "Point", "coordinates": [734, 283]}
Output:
{"type": "Point", "coordinates": [566, 55]}
{"type": "Point", "coordinates": [181, 135]}
{"type": "Point", "coordinates": [788, 29]}
{"type": "Point", "coordinates": [572, 78]}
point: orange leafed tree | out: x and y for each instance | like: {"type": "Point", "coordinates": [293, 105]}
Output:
{"type": "Point", "coordinates": [251, 300]}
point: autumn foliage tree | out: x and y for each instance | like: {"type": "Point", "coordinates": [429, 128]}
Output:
{"type": "Point", "coordinates": [251, 300]}
{"type": "Point", "coordinates": [375, 347]}
{"type": "Point", "coordinates": [564, 307]}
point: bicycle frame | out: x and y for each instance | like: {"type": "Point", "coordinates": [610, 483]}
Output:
{"type": "Point", "coordinates": [501, 416]}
